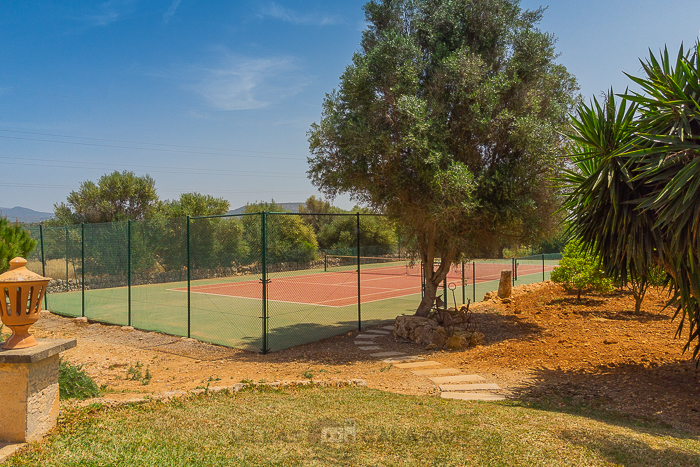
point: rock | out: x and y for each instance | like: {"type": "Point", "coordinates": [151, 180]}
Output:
{"type": "Point", "coordinates": [80, 320]}
{"type": "Point", "coordinates": [506, 300]}
{"type": "Point", "coordinates": [456, 342]}
{"type": "Point", "coordinates": [127, 328]}
{"type": "Point", "coordinates": [431, 347]}
{"type": "Point", "coordinates": [505, 286]}
{"type": "Point", "coordinates": [477, 338]}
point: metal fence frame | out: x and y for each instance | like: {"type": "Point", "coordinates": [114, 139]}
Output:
{"type": "Point", "coordinates": [264, 216]}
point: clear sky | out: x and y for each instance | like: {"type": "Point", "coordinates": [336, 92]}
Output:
{"type": "Point", "coordinates": [217, 96]}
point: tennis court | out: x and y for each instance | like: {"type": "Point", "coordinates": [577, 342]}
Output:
{"type": "Point", "coordinates": [378, 281]}
{"type": "Point", "coordinates": [302, 306]}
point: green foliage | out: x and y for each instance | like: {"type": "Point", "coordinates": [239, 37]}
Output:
{"type": "Point", "coordinates": [74, 383]}
{"type": "Point", "coordinates": [580, 270]}
{"type": "Point", "coordinates": [193, 204]}
{"type": "Point", "coordinates": [639, 285]}
{"type": "Point", "coordinates": [115, 197]}
{"type": "Point", "coordinates": [136, 373]}
{"type": "Point", "coordinates": [14, 241]}
{"type": "Point", "coordinates": [634, 191]}
{"type": "Point", "coordinates": [448, 120]}
{"type": "Point", "coordinates": [289, 238]}
{"type": "Point", "coordinates": [338, 233]}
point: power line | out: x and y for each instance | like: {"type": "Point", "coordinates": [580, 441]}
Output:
{"type": "Point", "coordinates": [79, 143]}
{"type": "Point", "coordinates": [153, 169]}
{"type": "Point", "coordinates": [179, 146]}
{"type": "Point", "coordinates": [170, 111]}
{"type": "Point", "coordinates": [37, 185]}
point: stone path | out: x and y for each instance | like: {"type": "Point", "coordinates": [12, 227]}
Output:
{"type": "Point", "coordinates": [454, 386]}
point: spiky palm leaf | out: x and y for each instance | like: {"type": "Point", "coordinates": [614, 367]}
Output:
{"type": "Point", "coordinates": [635, 198]}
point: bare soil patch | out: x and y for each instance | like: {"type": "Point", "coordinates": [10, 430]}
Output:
{"type": "Point", "coordinates": [543, 346]}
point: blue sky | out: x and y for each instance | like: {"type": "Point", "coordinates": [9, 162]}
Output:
{"type": "Point", "coordinates": [217, 97]}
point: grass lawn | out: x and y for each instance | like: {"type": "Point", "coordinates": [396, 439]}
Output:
{"type": "Point", "coordinates": [266, 427]}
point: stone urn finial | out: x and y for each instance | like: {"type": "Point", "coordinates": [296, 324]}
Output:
{"type": "Point", "coordinates": [21, 293]}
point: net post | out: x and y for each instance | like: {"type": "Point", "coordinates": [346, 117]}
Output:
{"type": "Point", "coordinates": [189, 281]}
{"type": "Point", "coordinates": [542, 267]}
{"type": "Point", "coordinates": [474, 281]}
{"type": "Point", "coordinates": [263, 234]}
{"type": "Point", "coordinates": [43, 262]}
{"type": "Point", "coordinates": [359, 306]}
{"type": "Point", "coordinates": [82, 265]}
{"type": "Point", "coordinates": [464, 297]}
{"type": "Point", "coordinates": [444, 287]}
{"type": "Point", "coordinates": [128, 264]}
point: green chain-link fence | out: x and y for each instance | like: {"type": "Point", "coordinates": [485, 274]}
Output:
{"type": "Point", "coordinates": [258, 281]}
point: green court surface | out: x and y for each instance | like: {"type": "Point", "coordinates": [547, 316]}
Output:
{"type": "Point", "coordinates": [236, 321]}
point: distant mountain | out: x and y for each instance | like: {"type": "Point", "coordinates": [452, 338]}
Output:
{"type": "Point", "coordinates": [293, 207]}
{"type": "Point", "coordinates": [25, 215]}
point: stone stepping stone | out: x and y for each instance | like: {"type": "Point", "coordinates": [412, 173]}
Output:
{"type": "Point", "coordinates": [386, 354]}
{"type": "Point", "coordinates": [469, 387]}
{"type": "Point", "coordinates": [390, 328]}
{"type": "Point", "coordinates": [435, 371]}
{"type": "Point", "coordinates": [408, 358]}
{"type": "Point", "coordinates": [457, 379]}
{"type": "Point", "coordinates": [370, 347]}
{"type": "Point", "coordinates": [366, 336]}
{"type": "Point", "coordinates": [379, 331]}
{"type": "Point", "coordinates": [472, 396]}
{"type": "Point", "coordinates": [418, 364]}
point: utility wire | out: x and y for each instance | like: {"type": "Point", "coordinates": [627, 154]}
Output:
{"type": "Point", "coordinates": [79, 143]}
{"type": "Point", "coordinates": [178, 146]}
{"type": "Point", "coordinates": [151, 169]}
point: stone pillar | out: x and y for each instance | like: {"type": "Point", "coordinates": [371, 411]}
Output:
{"type": "Point", "coordinates": [505, 287]}
{"type": "Point", "coordinates": [29, 381]}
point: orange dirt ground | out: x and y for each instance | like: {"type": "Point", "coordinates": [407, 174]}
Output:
{"type": "Point", "coordinates": [543, 346]}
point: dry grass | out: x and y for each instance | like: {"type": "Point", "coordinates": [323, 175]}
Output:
{"type": "Point", "coordinates": [55, 268]}
{"type": "Point", "coordinates": [286, 428]}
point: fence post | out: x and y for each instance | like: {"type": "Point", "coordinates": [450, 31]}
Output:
{"type": "Point", "coordinates": [512, 268]}
{"type": "Point", "coordinates": [43, 262]}
{"type": "Point", "coordinates": [263, 233]}
{"type": "Point", "coordinates": [464, 297]}
{"type": "Point", "coordinates": [542, 267]}
{"type": "Point", "coordinates": [359, 300]}
{"type": "Point", "coordinates": [128, 264]}
{"type": "Point", "coordinates": [67, 248]}
{"type": "Point", "coordinates": [82, 264]}
{"type": "Point", "coordinates": [189, 281]}
{"type": "Point", "coordinates": [474, 281]}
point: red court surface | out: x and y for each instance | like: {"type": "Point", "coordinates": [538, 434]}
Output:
{"type": "Point", "coordinates": [338, 289]}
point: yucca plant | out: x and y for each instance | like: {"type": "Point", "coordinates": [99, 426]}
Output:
{"type": "Point", "coordinates": [633, 195]}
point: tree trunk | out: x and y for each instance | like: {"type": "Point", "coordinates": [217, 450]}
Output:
{"type": "Point", "coordinates": [433, 277]}
{"type": "Point", "coordinates": [428, 299]}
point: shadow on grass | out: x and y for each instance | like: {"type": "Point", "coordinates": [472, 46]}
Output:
{"type": "Point", "coordinates": [624, 450]}
{"type": "Point", "coordinates": [668, 394]}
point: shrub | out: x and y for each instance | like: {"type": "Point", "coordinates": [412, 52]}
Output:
{"type": "Point", "coordinates": [74, 383]}
{"type": "Point", "coordinates": [579, 270]}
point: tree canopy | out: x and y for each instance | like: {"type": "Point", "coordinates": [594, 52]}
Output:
{"type": "Point", "coordinates": [448, 121]}
{"type": "Point", "coordinates": [193, 204]}
{"type": "Point", "coordinates": [14, 241]}
{"type": "Point", "coordinates": [117, 196]}
{"type": "Point", "coordinates": [634, 190]}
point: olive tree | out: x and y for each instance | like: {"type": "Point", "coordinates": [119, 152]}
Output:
{"type": "Point", "coordinates": [448, 120]}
